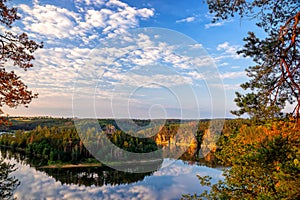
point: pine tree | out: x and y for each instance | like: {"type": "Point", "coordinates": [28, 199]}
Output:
{"type": "Point", "coordinates": [275, 79]}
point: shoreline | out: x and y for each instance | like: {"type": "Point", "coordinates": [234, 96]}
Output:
{"type": "Point", "coordinates": [66, 166]}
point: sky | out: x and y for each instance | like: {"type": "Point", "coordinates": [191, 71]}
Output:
{"type": "Point", "coordinates": [131, 59]}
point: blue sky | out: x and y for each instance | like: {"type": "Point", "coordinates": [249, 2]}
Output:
{"type": "Point", "coordinates": [145, 59]}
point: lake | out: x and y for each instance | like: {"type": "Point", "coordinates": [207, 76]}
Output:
{"type": "Point", "coordinates": [174, 178]}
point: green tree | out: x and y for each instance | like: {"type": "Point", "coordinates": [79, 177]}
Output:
{"type": "Point", "coordinates": [7, 184]}
{"type": "Point", "coordinates": [19, 50]}
{"type": "Point", "coordinates": [275, 79]}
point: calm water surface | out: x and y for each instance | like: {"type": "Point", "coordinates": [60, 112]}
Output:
{"type": "Point", "coordinates": [104, 183]}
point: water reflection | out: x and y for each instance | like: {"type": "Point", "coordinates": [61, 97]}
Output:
{"type": "Point", "coordinates": [97, 176]}
{"type": "Point", "coordinates": [8, 183]}
{"type": "Point", "coordinates": [104, 183]}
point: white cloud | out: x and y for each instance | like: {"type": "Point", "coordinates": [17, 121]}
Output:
{"type": "Point", "coordinates": [223, 64]}
{"type": "Point", "coordinates": [188, 19]}
{"type": "Point", "coordinates": [90, 2]}
{"type": "Point", "coordinates": [229, 50]}
{"type": "Point", "coordinates": [116, 3]}
{"type": "Point", "coordinates": [233, 75]}
{"type": "Point", "coordinates": [196, 75]}
{"type": "Point", "coordinates": [210, 17]}
{"type": "Point", "coordinates": [153, 81]}
{"type": "Point", "coordinates": [197, 46]}
{"type": "Point", "coordinates": [49, 22]}
{"type": "Point", "coordinates": [216, 24]}
{"type": "Point", "coordinates": [234, 87]}
{"type": "Point", "coordinates": [207, 26]}
{"type": "Point", "coordinates": [96, 18]}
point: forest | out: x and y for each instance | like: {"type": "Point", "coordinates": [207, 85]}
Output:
{"type": "Point", "coordinates": [58, 141]}
{"type": "Point", "coordinates": [264, 158]}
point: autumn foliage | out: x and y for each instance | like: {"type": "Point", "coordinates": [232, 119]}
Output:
{"type": "Point", "coordinates": [16, 50]}
{"type": "Point", "coordinates": [263, 163]}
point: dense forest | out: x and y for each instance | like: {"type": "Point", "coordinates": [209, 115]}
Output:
{"type": "Point", "coordinates": [58, 141]}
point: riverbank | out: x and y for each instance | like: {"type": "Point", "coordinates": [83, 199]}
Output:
{"type": "Point", "coordinates": [65, 166]}
{"type": "Point", "coordinates": [111, 164]}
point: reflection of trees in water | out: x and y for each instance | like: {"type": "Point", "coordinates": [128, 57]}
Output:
{"type": "Point", "coordinates": [97, 176]}
{"type": "Point", "coordinates": [22, 158]}
{"type": "Point", "coordinates": [7, 183]}
{"type": "Point", "coordinates": [87, 176]}
{"type": "Point", "coordinates": [192, 155]}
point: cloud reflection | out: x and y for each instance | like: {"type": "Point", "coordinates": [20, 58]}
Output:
{"type": "Point", "coordinates": [167, 183]}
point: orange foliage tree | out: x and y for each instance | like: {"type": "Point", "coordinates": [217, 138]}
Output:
{"type": "Point", "coordinates": [18, 50]}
